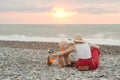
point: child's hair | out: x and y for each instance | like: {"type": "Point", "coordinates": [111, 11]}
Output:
{"type": "Point", "coordinates": [63, 44]}
{"type": "Point", "coordinates": [71, 44]}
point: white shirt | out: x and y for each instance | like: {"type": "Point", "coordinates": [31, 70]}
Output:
{"type": "Point", "coordinates": [83, 51]}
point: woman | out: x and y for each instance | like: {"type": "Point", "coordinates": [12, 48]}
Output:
{"type": "Point", "coordinates": [87, 54]}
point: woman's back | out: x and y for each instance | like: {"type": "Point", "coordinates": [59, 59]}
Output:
{"type": "Point", "coordinates": [83, 51]}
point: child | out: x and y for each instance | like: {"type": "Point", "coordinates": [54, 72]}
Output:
{"type": "Point", "coordinates": [62, 60]}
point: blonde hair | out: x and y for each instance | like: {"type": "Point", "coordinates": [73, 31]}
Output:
{"type": "Point", "coordinates": [63, 44]}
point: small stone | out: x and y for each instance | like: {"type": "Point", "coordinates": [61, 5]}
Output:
{"type": "Point", "coordinates": [7, 79]}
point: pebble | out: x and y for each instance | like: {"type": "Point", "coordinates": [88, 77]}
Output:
{"type": "Point", "coordinates": [30, 64]}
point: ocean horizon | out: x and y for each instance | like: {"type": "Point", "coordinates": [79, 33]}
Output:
{"type": "Point", "coordinates": [93, 33]}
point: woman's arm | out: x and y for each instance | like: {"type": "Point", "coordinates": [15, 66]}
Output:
{"type": "Point", "coordinates": [95, 46]}
{"type": "Point", "coordinates": [67, 51]}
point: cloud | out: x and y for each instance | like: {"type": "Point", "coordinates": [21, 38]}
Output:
{"type": "Point", "coordinates": [87, 6]}
{"type": "Point", "coordinates": [20, 2]}
{"type": "Point", "coordinates": [95, 10]}
{"type": "Point", "coordinates": [26, 9]}
{"type": "Point", "coordinates": [25, 5]}
{"type": "Point", "coordinates": [93, 1]}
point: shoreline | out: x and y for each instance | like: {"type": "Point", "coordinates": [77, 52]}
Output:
{"type": "Point", "coordinates": [105, 49]}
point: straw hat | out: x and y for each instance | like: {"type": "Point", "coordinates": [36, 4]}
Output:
{"type": "Point", "coordinates": [78, 38]}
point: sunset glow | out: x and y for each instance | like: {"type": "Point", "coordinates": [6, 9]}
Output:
{"type": "Point", "coordinates": [61, 13]}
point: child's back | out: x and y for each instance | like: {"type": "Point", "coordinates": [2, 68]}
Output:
{"type": "Point", "coordinates": [63, 60]}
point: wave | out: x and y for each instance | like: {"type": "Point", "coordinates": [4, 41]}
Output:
{"type": "Point", "coordinates": [62, 35]}
{"type": "Point", "coordinates": [99, 40]}
{"type": "Point", "coordinates": [104, 35]}
{"type": "Point", "coordinates": [107, 41]}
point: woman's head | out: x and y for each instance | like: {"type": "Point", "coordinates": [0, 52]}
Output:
{"type": "Point", "coordinates": [77, 38]}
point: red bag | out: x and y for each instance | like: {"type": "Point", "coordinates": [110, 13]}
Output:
{"type": "Point", "coordinates": [93, 62]}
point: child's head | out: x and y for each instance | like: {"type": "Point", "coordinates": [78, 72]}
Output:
{"type": "Point", "coordinates": [63, 44]}
{"type": "Point", "coordinates": [71, 44]}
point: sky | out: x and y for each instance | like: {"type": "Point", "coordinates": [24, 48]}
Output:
{"type": "Point", "coordinates": [59, 12]}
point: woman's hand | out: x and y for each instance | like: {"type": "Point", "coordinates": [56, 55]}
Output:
{"type": "Point", "coordinates": [94, 46]}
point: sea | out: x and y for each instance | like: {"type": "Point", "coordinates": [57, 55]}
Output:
{"type": "Point", "coordinates": [108, 34]}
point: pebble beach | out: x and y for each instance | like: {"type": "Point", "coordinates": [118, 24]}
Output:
{"type": "Point", "coordinates": [28, 61]}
